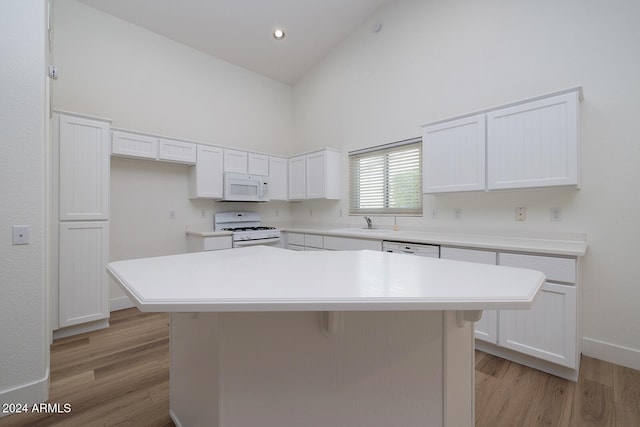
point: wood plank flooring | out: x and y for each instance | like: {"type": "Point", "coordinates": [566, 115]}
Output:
{"type": "Point", "coordinates": [120, 377]}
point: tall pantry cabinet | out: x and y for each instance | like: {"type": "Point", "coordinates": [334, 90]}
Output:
{"type": "Point", "coordinates": [81, 207]}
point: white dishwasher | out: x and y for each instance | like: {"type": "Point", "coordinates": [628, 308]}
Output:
{"type": "Point", "coordinates": [431, 251]}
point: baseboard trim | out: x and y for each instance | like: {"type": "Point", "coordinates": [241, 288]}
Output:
{"type": "Point", "coordinates": [612, 353]}
{"type": "Point", "coordinates": [28, 394]}
{"type": "Point", "coordinates": [120, 303]}
{"type": "Point", "coordinates": [81, 328]}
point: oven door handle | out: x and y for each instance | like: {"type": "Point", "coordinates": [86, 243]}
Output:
{"type": "Point", "coordinates": [239, 243]}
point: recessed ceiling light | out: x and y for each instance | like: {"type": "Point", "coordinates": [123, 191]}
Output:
{"type": "Point", "coordinates": [278, 34]}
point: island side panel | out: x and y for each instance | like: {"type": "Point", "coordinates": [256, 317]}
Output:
{"type": "Point", "coordinates": [280, 369]}
{"type": "Point", "coordinates": [459, 371]}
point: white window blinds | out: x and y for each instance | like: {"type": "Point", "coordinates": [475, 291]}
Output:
{"type": "Point", "coordinates": [386, 179]}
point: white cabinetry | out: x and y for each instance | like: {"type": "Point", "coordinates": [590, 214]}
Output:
{"type": "Point", "coordinates": [278, 178]}
{"type": "Point", "coordinates": [83, 146]}
{"type": "Point", "coordinates": [334, 243]}
{"type": "Point", "coordinates": [297, 178]}
{"type": "Point", "coordinates": [130, 144]}
{"type": "Point", "coordinates": [171, 150]}
{"type": "Point", "coordinates": [304, 242]}
{"type": "Point", "coordinates": [81, 163]}
{"type": "Point", "coordinates": [531, 143]}
{"type": "Point", "coordinates": [83, 289]}
{"type": "Point", "coordinates": [315, 175]}
{"type": "Point", "coordinates": [235, 161]}
{"type": "Point", "coordinates": [548, 330]}
{"type": "Point", "coordinates": [258, 164]}
{"type": "Point", "coordinates": [534, 144]}
{"type": "Point", "coordinates": [486, 328]}
{"type": "Point", "coordinates": [196, 243]}
{"type": "Point", "coordinates": [205, 178]}
{"type": "Point", "coordinates": [454, 155]}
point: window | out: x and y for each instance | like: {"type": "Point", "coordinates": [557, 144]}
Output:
{"type": "Point", "coordinates": [386, 179]}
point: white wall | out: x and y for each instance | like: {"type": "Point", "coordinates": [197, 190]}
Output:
{"type": "Point", "coordinates": [24, 345]}
{"type": "Point", "coordinates": [441, 58]}
{"type": "Point", "coordinates": [145, 82]}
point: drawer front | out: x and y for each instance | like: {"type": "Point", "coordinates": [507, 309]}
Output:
{"type": "Point", "coordinates": [295, 247]}
{"type": "Point", "coordinates": [348, 244]}
{"type": "Point", "coordinates": [295, 239]}
{"type": "Point", "coordinates": [468, 255]}
{"type": "Point", "coordinates": [555, 268]}
{"type": "Point", "coordinates": [313, 241]}
{"type": "Point", "coordinates": [217, 243]}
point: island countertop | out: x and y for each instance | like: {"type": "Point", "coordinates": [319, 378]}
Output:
{"type": "Point", "coordinates": [261, 278]}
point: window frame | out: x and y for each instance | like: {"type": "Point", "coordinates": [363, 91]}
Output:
{"type": "Point", "coordinates": [384, 150]}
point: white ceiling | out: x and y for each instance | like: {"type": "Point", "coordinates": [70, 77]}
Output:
{"type": "Point", "coordinates": [240, 31]}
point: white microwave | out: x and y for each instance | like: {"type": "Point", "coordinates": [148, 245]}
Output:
{"type": "Point", "coordinates": [239, 187]}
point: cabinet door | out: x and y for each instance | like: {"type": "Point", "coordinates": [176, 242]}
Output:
{"type": "Point", "coordinates": [548, 330]}
{"type": "Point", "coordinates": [278, 183]}
{"type": "Point", "coordinates": [454, 155]}
{"type": "Point", "coordinates": [316, 175]}
{"type": "Point", "coordinates": [83, 149]}
{"type": "Point", "coordinates": [258, 164]}
{"type": "Point", "coordinates": [205, 179]}
{"type": "Point", "coordinates": [177, 151]}
{"type": "Point", "coordinates": [297, 178]}
{"type": "Point", "coordinates": [235, 161]}
{"type": "Point", "coordinates": [134, 145]}
{"type": "Point", "coordinates": [534, 144]}
{"type": "Point", "coordinates": [486, 329]}
{"type": "Point", "coordinates": [83, 291]}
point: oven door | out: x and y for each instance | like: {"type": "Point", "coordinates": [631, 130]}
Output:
{"type": "Point", "coordinates": [268, 242]}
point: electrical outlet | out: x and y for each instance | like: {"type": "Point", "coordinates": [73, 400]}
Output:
{"type": "Point", "coordinates": [204, 213]}
{"type": "Point", "coordinates": [556, 214]}
{"type": "Point", "coordinates": [172, 214]}
{"type": "Point", "coordinates": [457, 214]}
{"type": "Point", "coordinates": [521, 214]}
{"type": "Point", "coordinates": [21, 234]}
{"type": "Point", "coordinates": [434, 213]}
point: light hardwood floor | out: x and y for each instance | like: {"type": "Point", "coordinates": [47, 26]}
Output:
{"type": "Point", "coordinates": [119, 377]}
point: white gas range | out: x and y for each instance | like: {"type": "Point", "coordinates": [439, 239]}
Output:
{"type": "Point", "coordinates": [247, 228]}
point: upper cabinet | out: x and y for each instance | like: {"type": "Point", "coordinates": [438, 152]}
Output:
{"type": "Point", "coordinates": [278, 178]}
{"type": "Point", "coordinates": [532, 143]}
{"type": "Point", "coordinates": [454, 155]}
{"type": "Point", "coordinates": [258, 164]}
{"type": "Point", "coordinates": [131, 144]}
{"type": "Point", "coordinates": [315, 175]}
{"type": "Point", "coordinates": [235, 161]}
{"type": "Point", "coordinates": [83, 154]}
{"type": "Point", "coordinates": [205, 178]}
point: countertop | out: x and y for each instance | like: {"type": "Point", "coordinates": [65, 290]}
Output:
{"type": "Point", "coordinates": [545, 243]}
{"type": "Point", "coordinates": [200, 233]}
{"type": "Point", "coordinates": [262, 278]}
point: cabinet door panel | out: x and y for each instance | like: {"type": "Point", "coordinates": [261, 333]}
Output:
{"type": "Point", "coordinates": [486, 329]}
{"type": "Point", "coordinates": [548, 330]}
{"type": "Point", "coordinates": [534, 144]}
{"type": "Point", "coordinates": [316, 175]}
{"type": "Point", "coordinates": [297, 178]}
{"type": "Point", "coordinates": [83, 290]}
{"type": "Point", "coordinates": [454, 155]}
{"type": "Point", "coordinates": [205, 179]}
{"type": "Point", "coordinates": [278, 174]}
{"type": "Point", "coordinates": [177, 151]}
{"type": "Point", "coordinates": [556, 269]}
{"type": "Point", "coordinates": [258, 164]}
{"type": "Point", "coordinates": [235, 161]}
{"type": "Point", "coordinates": [349, 244]}
{"type": "Point", "coordinates": [83, 149]}
{"type": "Point", "coordinates": [134, 145]}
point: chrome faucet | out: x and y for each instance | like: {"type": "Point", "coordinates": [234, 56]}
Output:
{"type": "Point", "coordinates": [369, 223]}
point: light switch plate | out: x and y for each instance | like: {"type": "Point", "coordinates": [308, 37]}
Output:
{"type": "Point", "coordinates": [21, 234]}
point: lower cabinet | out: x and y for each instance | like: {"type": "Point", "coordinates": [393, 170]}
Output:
{"type": "Point", "coordinates": [315, 242]}
{"type": "Point", "coordinates": [197, 243]}
{"type": "Point", "coordinates": [82, 278]}
{"type": "Point", "coordinates": [486, 328]}
{"type": "Point", "coordinates": [546, 332]}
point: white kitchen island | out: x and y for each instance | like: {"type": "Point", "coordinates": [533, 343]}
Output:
{"type": "Point", "coordinates": [262, 336]}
